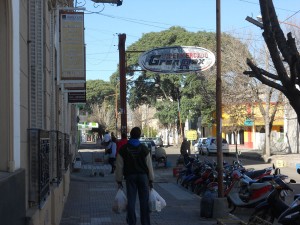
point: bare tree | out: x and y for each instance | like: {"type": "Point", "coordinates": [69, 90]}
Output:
{"type": "Point", "coordinates": [267, 99]}
{"type": "Point", "coordinates": [104, 115]}
{"type": "Point", "coordinates": [284, 55]}
{"type": "Point", "coordinates": [240, 93]}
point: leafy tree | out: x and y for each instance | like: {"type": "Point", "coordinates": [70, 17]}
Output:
{"type": "Point", "coordinates": [97, 91]}
{"type": "Point", "coordinates": [195, 91]}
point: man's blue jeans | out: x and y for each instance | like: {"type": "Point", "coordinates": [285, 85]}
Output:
{"type": "Point", "coordinates": [138, 183]}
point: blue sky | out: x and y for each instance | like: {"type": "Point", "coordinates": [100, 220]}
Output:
{"type": "Point", "coordinates": [103, 23]}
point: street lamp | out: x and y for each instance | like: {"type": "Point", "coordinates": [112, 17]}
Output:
{"type": "Point", "coordinates": [258, 22]}
{"type": "Point", "coordinates": [259, 19]}
{"type": "Point", "coordinates": [117, 2]}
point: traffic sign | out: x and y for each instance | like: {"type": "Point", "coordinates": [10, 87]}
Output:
{"type": "Point", "coordinates": [191, 135]}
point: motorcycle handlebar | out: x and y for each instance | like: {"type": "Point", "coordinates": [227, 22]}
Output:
{"type": "Point", "coordinates": [282, 184]}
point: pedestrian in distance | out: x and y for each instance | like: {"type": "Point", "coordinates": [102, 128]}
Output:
{"type": "Point", "coordinates": [113, 137]}
{"type": "Point", "coordinates": [134, 163]}
{"type": "Point", "coordinates": [122, 142]}
{"type": "Point", "coordinates": [185, 147]}
{"type": "Point", "coordinates": [111, 150]}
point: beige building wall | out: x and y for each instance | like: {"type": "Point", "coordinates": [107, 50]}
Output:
{"type": "Point", "coordinates": [15, 117]}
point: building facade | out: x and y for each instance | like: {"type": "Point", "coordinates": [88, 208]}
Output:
{"type": "Point", "coordinates": [38, 125]}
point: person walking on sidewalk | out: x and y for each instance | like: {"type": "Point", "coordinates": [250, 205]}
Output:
{"type": "Point", "coordinates": [111, 150]}
{"type": "Point", "coordinates": [135, 164]}
{"type": "Point", "coordinates": [121, 142]}
{"type": "Point", "coordinates": [185, 147]}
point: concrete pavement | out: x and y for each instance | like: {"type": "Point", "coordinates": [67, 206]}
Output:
{"type": "Point", "coordinates": [92, 194]}
{"type": "Point", "coordinates": [91, 197]}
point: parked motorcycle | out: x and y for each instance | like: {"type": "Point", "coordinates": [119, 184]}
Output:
{"type": "Point", "coordinates": [275, 208]}
{"type": "Point", "coordinates": [245, 192]}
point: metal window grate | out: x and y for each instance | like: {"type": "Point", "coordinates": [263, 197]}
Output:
{"type": "Point", "coordinates": [60, 148]}
{"type": "Point", "coordinates": [39, 170]}
{"type": "Point", "coordinates": [67, 156]}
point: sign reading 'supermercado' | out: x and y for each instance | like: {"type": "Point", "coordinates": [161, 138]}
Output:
{"type": "Point", "coordinates": [177, 59]}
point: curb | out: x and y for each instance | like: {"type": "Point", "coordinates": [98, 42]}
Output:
{"type": "Point", "coordinates": [231, 220]}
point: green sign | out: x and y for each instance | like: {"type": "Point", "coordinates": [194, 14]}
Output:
{"type": "Point", "coordinates": [248, 122]}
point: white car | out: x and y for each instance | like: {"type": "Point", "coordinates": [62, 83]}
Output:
{"type": "Point", "coordinates": [198, 146]}
{"type": "Point", "coordinates": [77, 163]}
{"type": "Point", "coordinates": [150, 145]}
{"type": "Point", "coordinates": [211, 146]}
{"type": "Point", "coordinates": [158, 142]}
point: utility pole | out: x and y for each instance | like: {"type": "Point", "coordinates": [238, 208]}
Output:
{"type": "Point", "coordinates": [219, 102]}
{"type": "Point", "coordinates": [122, 69]}
{"type": "Point", "coordinates": [116, 109]}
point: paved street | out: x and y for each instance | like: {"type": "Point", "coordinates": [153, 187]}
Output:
{"type": "Point", "coordinates": [91, 197]}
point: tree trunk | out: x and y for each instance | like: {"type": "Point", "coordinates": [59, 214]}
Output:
{"type": "Point", "coordinates": [295, 103]}
{"type": "Point", "coordinates": [236, 149]}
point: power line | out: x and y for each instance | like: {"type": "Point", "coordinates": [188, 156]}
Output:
{"type": "Point", "coordinates": [276, 8]}
{"type": "Point", "coordinates": [291, 16]}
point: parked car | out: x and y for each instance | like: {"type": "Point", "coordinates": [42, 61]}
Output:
{"type": "Point", "coordinates": [150, 145]}
{"type": "Point", "coordinates": [211, 146]}
{"type": "Point", "coordinates": [198, 145]}
{"type": "Point", "coordinates": [158, 142]}
{"type": "Point", "coordinates": [77, 163]}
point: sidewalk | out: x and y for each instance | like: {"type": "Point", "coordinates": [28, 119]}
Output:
{"type": "Point", "coordinates": [90, 201]}
{"type": "Point", "coordinates": [90, 198]}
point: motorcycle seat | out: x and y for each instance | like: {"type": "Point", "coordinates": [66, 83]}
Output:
{"type": "Point", "coordinates": [255, 173]}
{"type": "Point", "coordinates": [261, 180]}
{"type": "Point", "coordinates": [255, 186]}
{"type": "Point", "coordinates": [266, 178]}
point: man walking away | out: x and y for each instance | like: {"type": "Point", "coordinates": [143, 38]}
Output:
{"type": "Point", "coordinates": [135, 164]}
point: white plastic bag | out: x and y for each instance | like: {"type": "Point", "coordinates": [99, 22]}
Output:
{"type": "Point", "coordinates": [120, 202]}
{"type": "Point", "coordinates": [156, 202]}
{"type": "Point", "coordinates": [161, 200]}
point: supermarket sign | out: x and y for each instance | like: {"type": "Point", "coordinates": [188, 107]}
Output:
{"type": "Point", "coordinates": [177, 59]}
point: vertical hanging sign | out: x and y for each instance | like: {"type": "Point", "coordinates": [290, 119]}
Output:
{"type": "Point", "coordinates": [72, 46]}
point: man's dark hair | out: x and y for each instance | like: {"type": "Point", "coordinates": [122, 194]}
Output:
{"type": "Point", "coordinates": [135, 133]}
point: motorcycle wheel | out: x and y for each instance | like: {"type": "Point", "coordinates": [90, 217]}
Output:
{"type": "Point", "coordinates": [200, 189]}
{"type": "Point", "coordinates": [260, 217]}
{"type": "Point", "coordinates": [179, 179]}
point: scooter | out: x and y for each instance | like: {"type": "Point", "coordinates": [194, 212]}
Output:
{"type": "Point", "coordinates": [274, 207]}
{"type": "Point", "coordinates": [160, 156]}
{"type": "Point", "coordinates": [245, 192]}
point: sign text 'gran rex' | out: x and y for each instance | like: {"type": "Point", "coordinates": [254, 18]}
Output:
{"type": "Point", "coordinates": [177, 59]}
